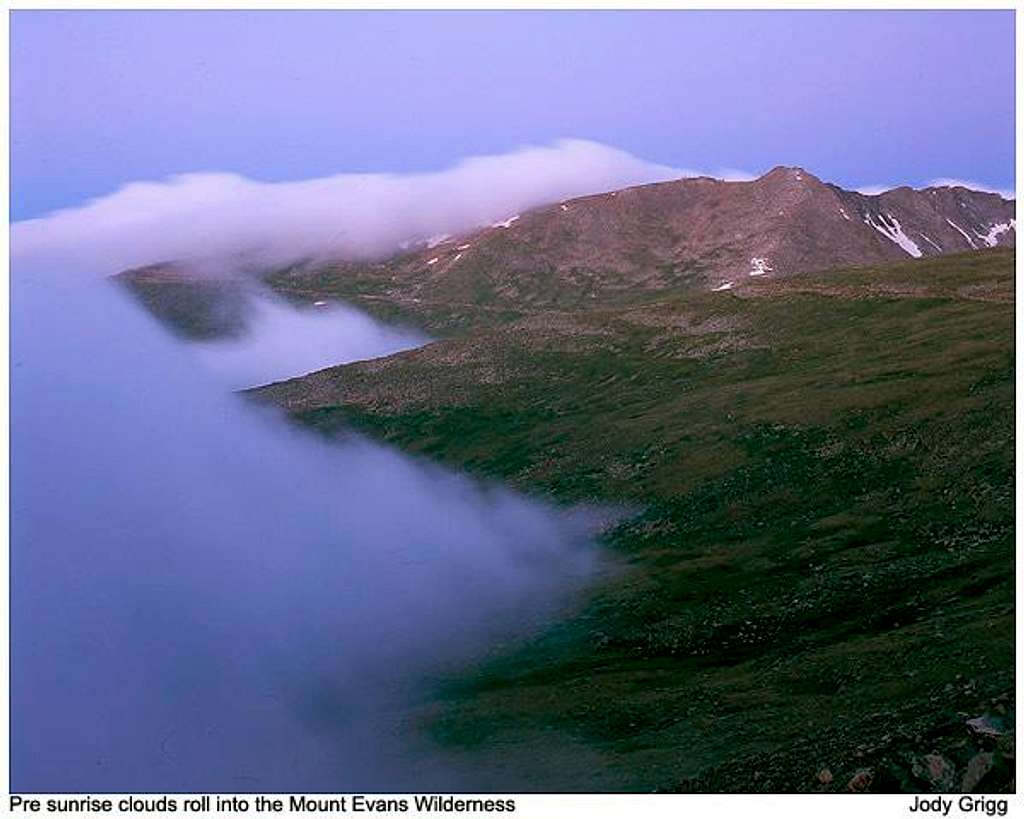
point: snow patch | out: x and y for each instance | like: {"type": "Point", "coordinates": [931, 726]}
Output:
{"type": "Point", "coordinates": [433, 261]}
{"type": "Point", "coordinates": [441, 238]}
{"type": "Point", "coordinates": [463, 247]}
{"type": "Point", "coordinates": [962, 232]}
{"type": "Point", "coordinates": [564, 207]}
{"type": "Point", "coordinates": [933, 244]}
{"type": "Point", "coordinates": [843, 214]}
{"type": "Point", "coordinates": [759, 266]}
{"type": "Point", "coordinates": [890, 228]}
{"type": "Point", "coordinates": [319, 304]}
{"type": "Point", "coordinates": [457, 257]}
{"type": "Point", "coordinates": [995, 231]}
{"type": "Point", "coordinates": [725, 286]}
{"type": "Point", "coordinates": [507, 223]}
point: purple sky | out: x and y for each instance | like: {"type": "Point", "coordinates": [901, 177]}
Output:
{"type": "Point", "coordinates": [860, 98]}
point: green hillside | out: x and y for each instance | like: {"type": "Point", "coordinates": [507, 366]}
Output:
{"type": "Point", "coordinates": [818, 592]}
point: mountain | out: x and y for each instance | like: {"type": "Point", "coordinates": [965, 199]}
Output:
{"type": "Point", "coordinates": [694, 233]}
{"type": "Point", "coordinates": [193, 305]}
{"type": "Point", "coordinates": [700, 233]}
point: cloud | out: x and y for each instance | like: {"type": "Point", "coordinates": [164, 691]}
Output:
{"type": "Point", "coordinates": [257, 607]}
{"type": "Point", "coordinates": [974, 186]}
{"type": "Point", "coordinates": [205, 598]}
{"type": "Point", "coordinates": [874, 190]}
{"type": "Point", "coordinates": [283, 342]}
{"type": "Point", "coordinates": [219, 216]}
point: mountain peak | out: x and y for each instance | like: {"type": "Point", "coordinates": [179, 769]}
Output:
{"type": "Point", "coordinates": [789, 176]}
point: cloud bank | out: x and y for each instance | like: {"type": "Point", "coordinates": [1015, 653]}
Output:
{"type": "Point", "coordinates": [203, 598]}
{"type": "Point", "coordinates": [218, 216]}
{"type": "Point", "coordinates": [282, 342]}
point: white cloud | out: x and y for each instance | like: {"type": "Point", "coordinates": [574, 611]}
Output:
{"type": "Point", "coordinates": [217, 216]}
{"type": "Point", "coordinates": [874, 190]}
{"type": "Point", "coordinates": [975, 186]}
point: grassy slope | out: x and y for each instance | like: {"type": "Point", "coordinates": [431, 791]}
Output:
{"type": "Point", "coordinates": [191, 306]}
{"type": "Point", "coordinates": [822, 576]}
{"type": "Point", "coordinates": [458, 308]}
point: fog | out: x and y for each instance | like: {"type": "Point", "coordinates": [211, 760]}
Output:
{"type": "Point", "coordinates": [281, 341]}
{"type": "Point", "coordinates": [205, 598]}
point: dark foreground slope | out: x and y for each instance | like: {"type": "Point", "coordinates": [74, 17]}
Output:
{"type": "Point", "coordinates": [818, 594]}
{"type": "Point", "coordinates": [190, 304]}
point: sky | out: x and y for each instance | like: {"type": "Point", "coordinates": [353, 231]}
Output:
{"type": "Point", "coordinates": [100, 99]}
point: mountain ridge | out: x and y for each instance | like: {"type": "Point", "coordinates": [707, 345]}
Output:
{"type": "Point", "coordinates": [696, 233]}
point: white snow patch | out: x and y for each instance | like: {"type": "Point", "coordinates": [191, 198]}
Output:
{"type": "Point", "coordinates": [843, 214]}
{"type": "Point", "coordinates": [759, 266]}
{"type": "Point", "coordinates": [319, 304]}
{"type": "Point", "coordinates": [963, 233]}
{"type": "Point", "coordinates": [564, 207]}
{"type": "Point", "coordinates": [433, 261]}
{"type": "Point", "coordinates": [507, 223]}
{"type": "Point", "coordinates": [933, 244]}
{"type": "Point", "coordinates": [441, 238]}
{"type": "Point", "coordinates": [893, 232]}
{"type": "Point", "coordinates": [995, 231]}
{"type": "Point", "coordinates": [457, 257]}
{"type": "Point", "coordinates": [463, 247]}
{"type": "Point", "coordinates": [725, 286]}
